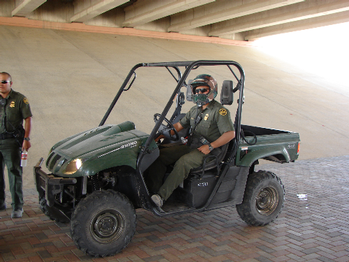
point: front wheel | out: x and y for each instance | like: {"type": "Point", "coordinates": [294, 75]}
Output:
{"type": "Point", "coordinates": [263, 200]}
{"type": "Point", "coordinates": [103, 223]}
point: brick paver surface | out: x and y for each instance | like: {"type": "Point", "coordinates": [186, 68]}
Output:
{"type": "Point", "coordinates": [313, 226]}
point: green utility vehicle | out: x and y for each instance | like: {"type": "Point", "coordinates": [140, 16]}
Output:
{"type": "Point", "coordinates": [96, 178]}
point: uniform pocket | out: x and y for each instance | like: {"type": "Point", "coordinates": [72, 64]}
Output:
{"type": "Point", "coordinates": [204, 128]}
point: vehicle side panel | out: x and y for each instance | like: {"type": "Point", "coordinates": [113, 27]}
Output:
{"type": "Point", "coordinates": [281, 147]}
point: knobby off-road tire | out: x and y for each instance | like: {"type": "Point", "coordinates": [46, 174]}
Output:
{"type": "Point", "coordinates": [103, 223]}
{"type": "Point", "coordinates": [263, 200]}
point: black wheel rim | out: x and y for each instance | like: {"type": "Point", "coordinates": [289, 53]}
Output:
{"type": "Point", "coordinates": [267, 201]}
{"type": "Point", "coordinates": [107, 226]}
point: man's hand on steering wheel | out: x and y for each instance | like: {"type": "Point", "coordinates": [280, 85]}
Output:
{"type": "Point", "coordinates": [168, 131]}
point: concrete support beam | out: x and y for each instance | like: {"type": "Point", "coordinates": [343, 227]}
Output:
{"type": "Point", "coordinates": [301, 11]}
{"type": "Point", "coordinates": [25, 7]}
{"type": "Point", "coordinates": [222, 10]}
{"type": "Point", "coordinates": [228, 19]}
{"type": "Point", "coordinates": [144, 11]}
{"type": "Point", "coordinates": [333, 19]}
{"type": "Point", "coordinates": [96, 9]}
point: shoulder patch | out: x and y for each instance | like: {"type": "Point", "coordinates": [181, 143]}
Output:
{"type": "Point", "coordinates": [25, 101]}
{"type": "Point", "coordinates": [223, 112]}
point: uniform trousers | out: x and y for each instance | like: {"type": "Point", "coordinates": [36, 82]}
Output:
{"type": "Point", "coordinates": [184, 159]}
{"type": "Point", "coordinates": [10, 155]}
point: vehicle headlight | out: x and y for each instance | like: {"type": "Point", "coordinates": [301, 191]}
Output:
{"type": "Point", "coordinates": [73, 166]}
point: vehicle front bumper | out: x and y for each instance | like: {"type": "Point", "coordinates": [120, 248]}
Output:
{"type": "Point", "coordinates": [48, 185]}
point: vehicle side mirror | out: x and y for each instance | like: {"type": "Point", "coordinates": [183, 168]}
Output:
{"type": "Point", "coordinates": [189, 93]}
{"type": "Point", "coordinates": [180, 99]}
{"type": "Point", "coordinates": [227, 95]}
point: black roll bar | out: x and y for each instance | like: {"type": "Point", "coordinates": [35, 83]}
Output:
{"type": "Point", "coordinates": [190, 66]}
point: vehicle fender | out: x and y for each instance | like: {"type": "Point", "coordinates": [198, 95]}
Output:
{"type": "Point", "coordinates": [126, 155]}
{"type": "Point", "coordinates": [264, 152]}
{"type": "Point", "coordinates": [95, 165]}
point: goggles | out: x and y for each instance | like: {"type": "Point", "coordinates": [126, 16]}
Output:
{"type": "Point", "coordinates": [202, 90]}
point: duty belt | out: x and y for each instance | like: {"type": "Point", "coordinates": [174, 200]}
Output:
{"type": "Point", "coordinates": [6, 136]}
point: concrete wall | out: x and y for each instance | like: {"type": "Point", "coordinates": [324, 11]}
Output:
{"type": "Point", "coordinates": [70, 79]}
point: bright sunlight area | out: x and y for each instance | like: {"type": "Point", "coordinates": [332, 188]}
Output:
{"type": "Point", "coordinates": [322, 51]}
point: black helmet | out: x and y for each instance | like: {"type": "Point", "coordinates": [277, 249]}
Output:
{"type": "Point", "coordinates": [204, 80]}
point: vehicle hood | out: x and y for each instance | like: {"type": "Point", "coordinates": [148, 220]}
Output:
{"type": "Point", "coordinates": [110, 143]}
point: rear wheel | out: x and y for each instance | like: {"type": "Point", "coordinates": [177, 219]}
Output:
{"type": "Point", "coordinates": [103, 223]}
{"type": "Point", "coordinates": [263, 200]}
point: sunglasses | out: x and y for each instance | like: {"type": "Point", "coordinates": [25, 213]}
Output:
{"type": "Point", "coordinates": [5, 81]}
{"type": "Point", "coordinates": [202, 90]}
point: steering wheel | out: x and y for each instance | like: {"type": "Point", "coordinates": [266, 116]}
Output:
{"type": "Point", "coordinates": [166, 129]}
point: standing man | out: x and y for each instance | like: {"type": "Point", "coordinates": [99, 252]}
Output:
{"type": "Point", "coordinates": [14, 108]}
{"type": "Point", "coordinates": [211, 127]}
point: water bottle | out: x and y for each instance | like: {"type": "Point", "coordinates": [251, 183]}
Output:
{"type": "Point", "coordinates": [184, 140]}
{"type": "Point", "coordinates": [24, 158]}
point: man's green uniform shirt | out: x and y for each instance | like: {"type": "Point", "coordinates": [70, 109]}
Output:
{"type": "Point", "coordinates": [215, 121]}
{"type": "Point", "coordinates": [12, 114]}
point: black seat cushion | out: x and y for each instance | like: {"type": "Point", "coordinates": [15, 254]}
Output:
{"type": "Point", "coordinates": [212, 160]}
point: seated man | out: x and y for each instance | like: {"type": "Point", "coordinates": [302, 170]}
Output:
{"type": "Point", "coordinates": [210, 127]}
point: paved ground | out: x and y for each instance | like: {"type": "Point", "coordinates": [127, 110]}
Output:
{"type": "Point", "coordinates": [313, 226]}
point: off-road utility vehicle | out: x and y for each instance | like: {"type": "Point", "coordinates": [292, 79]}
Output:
{"type": "Point", "coordinates": [97, 176]}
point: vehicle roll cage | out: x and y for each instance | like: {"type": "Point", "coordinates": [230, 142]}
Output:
{"type": "Point", "coordinates": [181, 81]}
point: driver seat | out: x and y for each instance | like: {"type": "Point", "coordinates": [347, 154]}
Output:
{"type": "Point", "coordinates": [212, 161]}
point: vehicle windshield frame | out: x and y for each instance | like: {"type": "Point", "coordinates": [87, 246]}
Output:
{"type": "Point", "coordinates": [181, 78]}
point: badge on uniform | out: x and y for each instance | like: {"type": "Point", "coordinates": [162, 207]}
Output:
{"type": "Point", "coordinates": [206, 117]}
{"type": "Point", "coordinates": [223, 112]}
{"type": "Point", "coordinates": [12, 104]}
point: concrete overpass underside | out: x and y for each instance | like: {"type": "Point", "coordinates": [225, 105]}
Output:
{"type": "Point", "coordinates": [225, 19]}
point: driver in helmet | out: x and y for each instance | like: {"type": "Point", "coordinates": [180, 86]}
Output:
{"type": "Point", "coordinates": [210, 127]}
